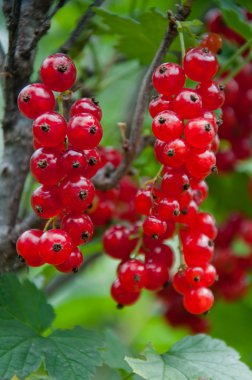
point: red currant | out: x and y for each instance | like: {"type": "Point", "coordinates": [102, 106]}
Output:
{"type": "Point", "coordinates": [122, 296]}
{"type": "Point", "coordinates": [72, 263]}
{"type": "Point", "coordinates": [158, 104]}
{"type": "Point", "coordinates": [45, 202]}
{"type": "Point", "coordinates": [84, 131]}
{"type": "Point", "coordinates": [27, 247]}
{"type": "Point", "coordinates": [77, 193]}
{"type": "Point", "coordinates": [198, 301]}
{"type": "Point", "coordinates": [118, 243]}
{"type": "Point", "coordinates": [46, 166]}
{"type": "Point", "coordinates": [49, 129]}
{"type": "Point", "coordinates": [200, 64]}
{"type": "Point", "coordinates": [55, 246]}
{"type": "Point", "coordinates": [199, 133]}
{"type": "Point", "coordinates": [168, 79]}
{"type": "Point", "coordinates": [86, 105]}
{"type": "Point", "coordinates": [154, 227]}
{"type": "Point", "coordinates": [167, 126]}
{"type": "Point", "coordinates": [132, 275]}
{"type": "Point", "coordinates": [79, 227]}
{"type": "Point", "coordinates": [212, 95]}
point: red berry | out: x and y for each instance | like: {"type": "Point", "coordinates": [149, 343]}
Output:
{"type": "Point", "coordinates": [132, 275]}
{"type": "Point", "coordinates": [160, 253]}
{"type": "Point", "coordinates": [118, 243]}
{"type": "Point", "coordinates": [198, 249]}
{"type": "Point", "coordinates": [77, 193]}
{"type": "Point", "coordinates": [212, 95]}
{"type": "Point", "coordinates": [212, 41]}
{"type": "Point", "coordinates": [35, 99]}
{"type": "Point", "coordinates": [167, 209]}
{"type": "Point", "coordinates": [180, 283]}
{"type": "Point", "coordinates": [86, 105]}
{"type": "Point", "coordinates": [189, 213]}
{"type": "Point", "coordinates": [174, 153]}
{"type": "Point", "coordinates": [93, 160]}
{"type": "Point", "coordinates": [122, 296]}
{"type": "Point", "coordinates": [143, 202]}
{"type": "Point", "coordinates": [187, 104]}
{"type": "Point", "coordinates": [158, 104]}
{"type": "Point", "coordinates": [167, 126]}
{"type": "Point", "coordinates": [27, 247]}
{"type": "Point", "coordinates": [231, 92]}
{"type": "Point", "coordinates": [209, 276]}
{"type": "Point", "coordinates": [200, 191]}
{"type": "Point", "coordinates": [45, 202]}
{"type": "Point", "coordinates": [103, 212]}
{"type": "Point", "coordinates": [49, 129]}
{"type": "Point", "coordinates": [198, 301]}
{"type": "Point", "coordinates": [200, 64]}
{"type": "Point", "coordinates": [46, 166]}
{"type": "Point", "coordinates": [156, 275]}
{"type": "Point", "coordinates": [84, 131]}
{"type": "Point", "coordinates": [206, 224]}
{"type": "Point", "coordinates": [154, 227]}
{"type": "Point", "coordinates": [55, 246]}
{"type": "Point", "coordinates": [72, 263]}
{"type": "Point", "coordinates": [199, 133]}
{"type": "Point", "coordinates": [74, 162]}
{"type": "Point", "coordinates": [168, 79]}
{"type": "Point", "coordinates": [79, 227]}
{"type": "Point", "coordinates": [194, 276]}
{"type": "Point", "coordinates": [111, 155]}
{"type": "Point", "coordinates": [58, 72]}
{"type": "Point", "coordinates": [200, 165]}
{"type": "Point", "coordinates": [174, 183]}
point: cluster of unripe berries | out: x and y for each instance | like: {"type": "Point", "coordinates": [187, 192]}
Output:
{"type": "Point", "coordinates": [65, 159]}
{"type": "Point", "coordinates": [185, 128]}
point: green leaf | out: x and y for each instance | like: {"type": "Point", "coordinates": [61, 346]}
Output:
{"type": "Point", "coordinates": [192, 358]}
{"type": "Point", "coordinates": [234, 18]}
{"type": "Point", "coordinates": [246, 4]}
{"type": "Point", "coordinates": [25, 303]}
{"type": "Point", "coordinates": [72, 354]}
{"type": "Point", "coordinates": [115, 352]}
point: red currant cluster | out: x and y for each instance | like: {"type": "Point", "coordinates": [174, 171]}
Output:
{"type": "Point", "coordinates": [185, 128]}
{"type": "Point", "coordinates": [64, 161]}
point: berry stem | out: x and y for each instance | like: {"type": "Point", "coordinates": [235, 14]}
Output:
{"type": "Point", "coordinates": [60, 104]}
{"type": "Point", "coordinates": [138, 246]}
{"type": "Point", "coordinates": [48, 223]}
{"type": "Point", "coordinates": [181, 38]}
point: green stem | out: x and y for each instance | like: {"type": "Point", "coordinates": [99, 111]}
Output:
{"type": "Point", "coordinates": [181, 38]}
{"type": "Point", "coordinates": [236, 55]}
{"type": "Point", "coordinates": [238, 68]}
{"type": "Point", "coordinates": [60, 104]}
{"type": "Point", "coordinates": [48, 223]}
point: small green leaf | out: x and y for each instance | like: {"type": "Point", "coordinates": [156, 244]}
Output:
{"type": "Point", "coordinates": [192, 23]}
{"type": "Point", "coordinates": [246, 4]}
{"type": "Point", "coordinates": [192, 358]}
{"type": "Point", "coordinates": [115, 352]}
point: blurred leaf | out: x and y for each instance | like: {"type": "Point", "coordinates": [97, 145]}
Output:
{"type": "Point", "coordinates": [246, 4]}
{"type": "Point", "coordinates": [115, 352]}
{"type": "Point", "coordinates": [191, 358]}
{"type": "Point", "coordinates": [191, 23]}
{"type": "Point", "coordinates": [235, 18]}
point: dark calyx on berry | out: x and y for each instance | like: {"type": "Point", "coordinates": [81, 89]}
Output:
{"type": "Point", "coordinates": [83, 194]}
{"type": "Point", "coordinates": [57, 247]}
{"type": "Point", "coordinates": [62, 68]}
{"type": "Point", "coordinates": [85, 235]}
{"type": "Point", "coordinates": [93, 130]}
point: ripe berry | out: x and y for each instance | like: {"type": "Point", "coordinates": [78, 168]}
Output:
{"type": "Point", "coordinates": [79, 227]}
{"type": "Point", "coordinates": [55, 246]}
{"type": "Point", "coordinates": [199, 133]}
{"type": "Point", "coordinates": [49, 129]}
{"type": "Point", "coordinates": [200, 191]}
{"type": "Point", "coordinates": [194, 276]}
{"type": "Point", "coordinates": [212, 95]}
{"type": "Point", "coordinates": [84, 131]}
{"type": "Point", "coordinates": [154, 227]}
{"type": "Point", "coordinates": [58, 72]}
{"type": "Point", "coordinates": [86, 105]}
{"type": "Point", "coordinates": [187, 104]}
{"type": "Point", "coordinates": [174, 183]}
{"type": "Point", "coordinates": [123, 296]}
{"type": "Point", "coordinates": [72, 263]}
{"type": "Point", "coordinates": [201, 165]}
{"type": "Point", "coordinates": [200, 64]}
{"type": "Point", "coordinates": [143, 202]}
{"type": "Point", "coordinates": [46, 166]}
{"type": "Point", "coordinates": [167, 126]}
{"type": "Point", "coordinates": [180, 283]}
{"type": "Point", "coordinates": [158, 104]}
{"type": "Point", "coordinates": [118, 243]}
{"type": "Point", "coordinates": [168, 79]}
{"type": "Point", "coordinates": [132, 275]}
{"type": "Point", "coordinates": [45, 202]}
{"type": "Point", "coordinates": [188, 214]}
{"type": "Point", "coordinates": [167, 209]}
{"type": "Point", "coordinates": [111, 155]}
{"type": "Point", "coordinates": [174, 153]}
{"type": "Point", "coordinates": [74, 162]}
{"type": "Point", "coordinates": [198, 301]}
{"type": "Point", "coordinates": [160, 253]}
{"type": "Point", "coordinates": [206, 224]}
{"type": "Point", "coordinates": [93, 160]}
{"type": "Point", "coordinates": [76, 193]}
{"type": "Point", "coordinates": [198, 249]}
{"type": "Point", "coordinates": [156, 275]}
{"type": "Point", "coordinates": [27, 247]}
{"type": "Point", "coordinates": [35, 99]}
{"type": "Point", "coordinates": [209, 276]}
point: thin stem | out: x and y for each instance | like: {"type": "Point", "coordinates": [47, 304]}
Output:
{"type": "Point", "coordinates": [236, 55]}
{"type": "Point", "coordinates": [237, 69]}
{"type": "Point", "coordinates": [48, 223]}
{"type": "Point", "coordinates": [181, 39]}
{"type": "Point", "coordinates": [60, 104]}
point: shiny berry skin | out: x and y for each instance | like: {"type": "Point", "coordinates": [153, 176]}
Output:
{"type": "Point", "coordinates": [93, 160]}
{"type": "Point", "coordinates": [213, 42]}
{"type": "Point", "coordinates": [86, 105]}
{"type": "Point", "coordinates": [58, 72]}
{"type": "Point", "coordinates": [231, 91]}
{"type": "Point", "coordinates": [212, 95]}
{"type": "Point", "coordinates": [46, 202]}
{"type": "Point", "coordinates": [167, 209]}
{"type": "Point", "coordinates": [118, 243]}
{"type": "Point", "coordinates": [156, 275]}
{"type": "Point", "coordinates": [200, 165]}
{"type": "Point", "coordinates": [111, 155]}
{"type": "Point", "coordinates": [188, 214]}
{"type": "Point", "coordinates": [72, 263]}
{"type": "Point", "coordinates": [198, 249]}
{"type": "Point", "coordinates": [35, 99]}
{"type": "Point", "coordinates": [154, 227]}
{"type": "Point", "coordinates": [200, 64]}
{"type": "Point", "coordinates": [49, 129]}
{"type": "Point", "coordinates": [174, 183]}
{"type": "Point", "coordinates": [194, 276]}
{"type": "Point", "coordinates": [79, 227]}
{"type": "Point", "coordinates": [76, 193]}
{"type": "Point", "coordinates": [168, 79]}
{"type": "Point", "coordinates": [84, 131]}
{"type": "Point", "coordinates": [199, 133]}
{"type": "Point", "coordinates": [180, 283]}
{"type": "Point", "coordinates": [160, 253]}
{"type": "Point", "coordinates": [46, 166]}
{"type": "Point", "coordinates": [209, 276]}
{"type": "Point", "coordinates": [132, 275]}
{"type": "Point", "coordinates": [210, 116]}
{"type": "Point", "coordinates": [158, 104]}
{"type": "Point", "coordinates": [143, 202]}
{"type": "Point", "coordinates": [167, 126]}
{"type": "Point", "coordinates": [174, 153]}
{"type": "Point", "coordinates": [206, 224]}
{"type": "Point", "coordinates": [55, 246]}
{"type": "Point", "coordinates": [187, 104]}
{"type": "Point", "coordinates": [27, 247]}
{"type": "Point", "coordinates": [74, 162]}
{"type": "Point", "coordinates": [122, 296]}
{"type": "Point", "coordinates": [198, 301]}
{"type": "Point", "coordinates": [200, 191]}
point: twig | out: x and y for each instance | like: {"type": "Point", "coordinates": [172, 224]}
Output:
{"type": "Point", "coordinates": [79, 28]}
{"type": "Point", "coordinates": [13, 35]}
{"type": "Point", "coordinates": [106, 182]}
{"type": "Point", "coordinates": [57, 7]}
{"type": "Point", "coordinates": [2, 56]}
{"type": "Point", "coordinates": [63, 280]}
